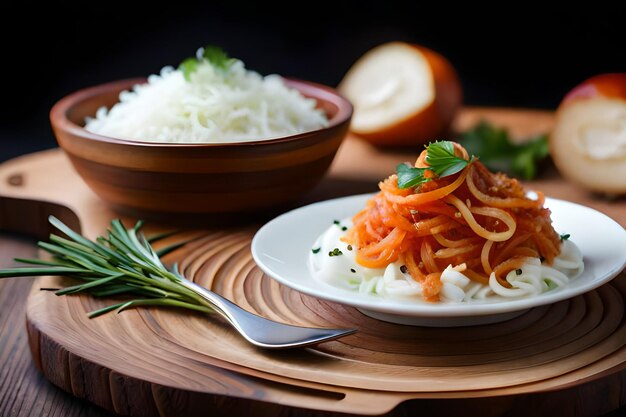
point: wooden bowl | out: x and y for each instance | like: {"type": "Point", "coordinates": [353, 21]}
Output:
{"type": "Point", "coordinates": [146, 179]}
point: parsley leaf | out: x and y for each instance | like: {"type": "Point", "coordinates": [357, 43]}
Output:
{"type": "Point", "coordinates": [497, 151]}
{"type": "Point", "coordinates": [187, 67]}
{"type": "Point", "coordinates": [441, 160]}
{"type": "Point", "coordinates": [409, 176]}
{"type": "Point", "coordinates": [212, 54]}
{"type": "Point", "coordinates": [217, 57]}
{"type": "Point", "coordinates": [564, 236]}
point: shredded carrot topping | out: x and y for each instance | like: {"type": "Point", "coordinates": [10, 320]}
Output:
{"type": "Point", "coordinates": [473, 217]}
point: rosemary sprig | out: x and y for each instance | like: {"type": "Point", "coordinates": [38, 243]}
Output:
{"type": "Point", "coordinates": [122, 262]}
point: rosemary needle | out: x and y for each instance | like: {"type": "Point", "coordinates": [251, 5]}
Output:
{"type": "Point", "coordinates": [121, 262]}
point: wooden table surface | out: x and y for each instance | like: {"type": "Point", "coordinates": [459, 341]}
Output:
{"type": "Point", "coordinates": [23, 390]}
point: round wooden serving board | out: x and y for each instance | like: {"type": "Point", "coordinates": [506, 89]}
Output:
{"type": "Point", "coordinates": [570, 356]}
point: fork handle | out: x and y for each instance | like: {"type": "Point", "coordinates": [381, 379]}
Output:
{"type": "Point", "coordinates": [216, 301]}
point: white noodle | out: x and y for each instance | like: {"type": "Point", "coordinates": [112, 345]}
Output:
{"type": "Point", "coordinates": [531, 280]}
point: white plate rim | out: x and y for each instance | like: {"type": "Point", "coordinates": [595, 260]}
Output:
{"type": "Point", "coordinates": [422, 309]}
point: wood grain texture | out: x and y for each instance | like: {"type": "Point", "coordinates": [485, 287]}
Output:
{"type": "Point", "coordinates": [24, 391]}
{"type": "Point", "coordinates": [152, 362]}
{"type": "Point", "coordinates": [544, 349]}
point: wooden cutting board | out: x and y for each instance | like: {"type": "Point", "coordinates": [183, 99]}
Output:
{"type": "Point", "coordinates": [564, 358]}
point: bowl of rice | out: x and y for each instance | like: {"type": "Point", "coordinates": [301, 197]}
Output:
{"type": "Point", "coordinates": [209, 137]}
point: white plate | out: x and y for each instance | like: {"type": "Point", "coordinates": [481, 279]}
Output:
{"type": "Point", "coordinates": [281, 249]}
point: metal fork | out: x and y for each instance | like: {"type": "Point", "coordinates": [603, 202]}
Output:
{"type": "Point", "coordinates": [260, 331]}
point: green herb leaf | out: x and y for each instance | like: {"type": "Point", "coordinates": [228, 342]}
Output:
{"type": "Point", "coordinates": [217, 57]}
{"type": "Point", "coordinates": [159, 236]}
{"type": "Point", "coordinates": [171, 248]}
{"type": "Point", "coordinates": [210, 53]}
{"type": "Point", "coordinates": [83, 287]}
{"type": "Point", "coordinates": [409, 176]}
{"type": "Point", "coordinates": [120, 263]}
{"type": "Point", "coordinates": [316, 250]}
{"type": "Point", "coordinates": [497, 151]}
{"type": "Point", "coordinates": [441, 160]}
{"type": "Point", "coordinates": [564, 236]}
{"type": "Point", "coordinates": [188, 66]}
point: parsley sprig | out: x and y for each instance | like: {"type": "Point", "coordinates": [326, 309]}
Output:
{"type": "Point", "coordinates": [441, 160]}
{"type": "Point", "coordinates": [499, 153]}
{"type": "Point", "coordinates": [215, 55]}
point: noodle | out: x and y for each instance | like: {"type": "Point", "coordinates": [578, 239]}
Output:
{"type": "Point", "coordinates": [468, 215]}
{"type": "Point", "coordinates": [482, 221]}
{"type": "Point", "coordinates": [484, 256]}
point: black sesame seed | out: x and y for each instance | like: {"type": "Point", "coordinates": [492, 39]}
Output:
{"type": "Point", "coordinates": [349, 247]}
{"type": "Point", "coordinates": [336, 221]}
{"type": "Point", "coordinates": [403, 269]}
{"type": "Point", "coordinates": [518, 271]}
{"type": "Point", "coordinates": [353, 270]}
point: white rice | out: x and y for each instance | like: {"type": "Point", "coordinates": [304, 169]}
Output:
{"type": "Point", "coordinates": [213, 106]}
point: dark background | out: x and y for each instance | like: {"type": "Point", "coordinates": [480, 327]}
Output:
{"type": "Point", "coordinates": [517, 56]}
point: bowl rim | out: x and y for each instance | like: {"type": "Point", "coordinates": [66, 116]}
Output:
{"type": "Point", "coordinates": [59, 119]}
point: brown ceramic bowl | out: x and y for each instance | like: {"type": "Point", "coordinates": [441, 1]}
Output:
{"type": "Point", "coordinates": [143, 178]}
